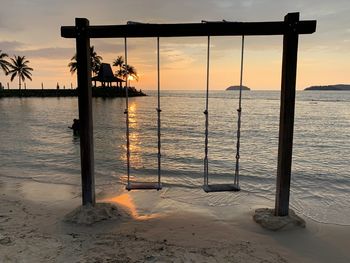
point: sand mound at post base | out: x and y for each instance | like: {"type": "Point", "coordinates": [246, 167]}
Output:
{"type": "Point", "coordinates": [267, 219]}
{"type": "Point", "coordinates": [88, 214]}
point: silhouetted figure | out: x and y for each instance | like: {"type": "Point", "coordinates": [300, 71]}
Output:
{"type": "Point", "coordinates": [75, 127]}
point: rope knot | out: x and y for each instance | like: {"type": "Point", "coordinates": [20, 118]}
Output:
{"type": "Point", "coordinates": [205, 112]}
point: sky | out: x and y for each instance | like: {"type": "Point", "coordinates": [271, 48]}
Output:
{"type": "Point", "coordinates": [31, 28]}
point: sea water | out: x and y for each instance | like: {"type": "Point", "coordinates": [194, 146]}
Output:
{"type": "Point", "coordinates": [37, 146]}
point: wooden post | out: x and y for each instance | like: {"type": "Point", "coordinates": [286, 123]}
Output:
{"type": "Point", "coordinates": [285, 145]}
{"type": "Point", "coordinates": [85, 111]}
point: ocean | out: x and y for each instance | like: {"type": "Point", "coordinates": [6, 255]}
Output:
{"type": "Point", "coordinates": [37, 146]}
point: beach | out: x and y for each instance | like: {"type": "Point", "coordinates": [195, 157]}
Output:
{"type": "Point", "coordinates": [40, 182]}
{"type": "Point", "coordinates": [33, 229]}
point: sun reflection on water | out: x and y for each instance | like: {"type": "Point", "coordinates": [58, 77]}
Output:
{"type": "Point", "coordinates": [134, 137]}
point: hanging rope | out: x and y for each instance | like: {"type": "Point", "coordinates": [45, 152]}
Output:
{"type": "Point", "coordinates": [239, 113]}
{"type": "Point", "coordinates": [222, 187]}
{"type": "Point", "coordinates": [158, 109]}
{"type": "Point", "coordinates": [158, 112]}
{"type": "Point", "coordinates": [126, 112]}
{"type": "Point", "coordinates": [206, 112]}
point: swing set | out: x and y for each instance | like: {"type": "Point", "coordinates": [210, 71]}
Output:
{"type": "Point", "coordinates": [157, 184]}
{"type": "Point", "coordinates": [290, 28]}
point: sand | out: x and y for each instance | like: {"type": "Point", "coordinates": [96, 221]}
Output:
{"type": "Point", "coordinates": [267, 219]}
{"type": "Point", "coordinates": [33, 229]}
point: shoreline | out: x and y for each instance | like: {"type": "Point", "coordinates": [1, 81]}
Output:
{"type": "Point", "coordinates": [155, 229]}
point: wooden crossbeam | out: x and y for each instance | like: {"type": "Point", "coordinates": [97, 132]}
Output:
{"type": "Point", "coordinates": [191, 29]}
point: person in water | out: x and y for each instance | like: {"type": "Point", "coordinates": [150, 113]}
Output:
{"type": "Point", "coordinates": [75, 127]}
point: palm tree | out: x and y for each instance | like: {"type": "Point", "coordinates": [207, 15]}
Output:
{"type": "Point", "coordinates": [73, 64]}
{"type": "Point", "coordinates": [130, 71]}
{"type": "Point", "coordinates": [119, 62]}
{"type": "Point", "coordinates": [95, 62]}
{"type": "Point", "coordinates": [4, 64]}
{"type": "Point", "coordinates": [125, 70]}
{"type": "Point", "coordinates": [19, 67]}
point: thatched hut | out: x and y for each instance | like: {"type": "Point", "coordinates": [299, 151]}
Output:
{"type": "Point", "coordinates": [106, 76]}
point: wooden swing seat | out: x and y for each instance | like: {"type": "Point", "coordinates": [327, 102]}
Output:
{"type": "Point", "coordinates": [143, 186]}
{"type": "Point", "coordinates": [209, 188]}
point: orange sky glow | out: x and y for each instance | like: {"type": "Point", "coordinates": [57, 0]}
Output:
{"type": "Point", "coordinates": [323, 56]}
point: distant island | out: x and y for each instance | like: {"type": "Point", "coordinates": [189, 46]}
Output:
{"type": "Point", "coordinates": [237, 88]}
{"type": "Point", "coordinates": [330, 87]}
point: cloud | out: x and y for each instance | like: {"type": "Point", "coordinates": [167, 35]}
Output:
{"type": "Point", "coordinates": [9, 46]}
{"type": "Point", "coordinates": [115, 46]}
{"type": "Point", "coordinates": [17, 48]}
{"type": "Point", "coordinates": [50, 53]}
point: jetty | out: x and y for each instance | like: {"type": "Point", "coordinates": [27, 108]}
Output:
{"type": "Point", "coordinates": [104, 92]}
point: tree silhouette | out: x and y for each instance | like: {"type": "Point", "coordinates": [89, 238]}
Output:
{"type": "Point", "coordinates": [125, 70]}
{"type": "Point", "coordinates": [119, 62]}
{"type": "Point", "coordinates": [4, 64]}
{"type": "Point", "coordinates": [130, 71]}
{"type": "Point", "coordinates": [19, 67]}
{"type": "Point", "coordinates": [73, 64]}
{"type": "Point", "coordinates": [95, 62]}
